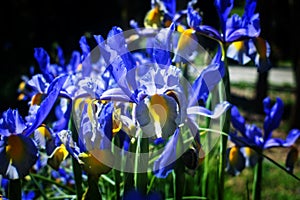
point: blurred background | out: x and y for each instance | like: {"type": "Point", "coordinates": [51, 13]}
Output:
{"type": "Point", "coordinates": [26, 24]}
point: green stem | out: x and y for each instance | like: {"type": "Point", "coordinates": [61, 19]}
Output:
{"type": "Point", "coordinates": [204, 182]}
{"type": "Point", "coordinates": [76, 167]}
{"type": "Point", "coordinates": [225, 124]}
{"type": "Point", "coordinates": [256, 195]}
{"type": "Point", "coordinates": [38, 186]}
{"type": "Point", "coordinates": [179, 180]}
{"type": "Point", "coordinates": [129, 176]}
{"type": "Point", "coordinates": [142, 163]}
{"type": "Point", "coordinates": [92, 192]}
{"type": "Point", "coordinates": [117, 174]}
{"type": "Point", "coordinates": [36, 176]}
{"type": "Point", "coordinates": [15, 189]}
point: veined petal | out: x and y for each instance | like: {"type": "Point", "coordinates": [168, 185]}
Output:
{"type": "Point", "coordinates": [47, 104]}
{"type": "Point", "coordinates": [218, 111]}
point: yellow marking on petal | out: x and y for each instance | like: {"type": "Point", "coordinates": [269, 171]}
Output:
{"type": "Point", "coordinates": [185, 38]}
{"type": "Point", "coordinates": [21, 97]}
{"type": "Point", "coordinates": [153, 18]}
{"type": "Point", "coordinates": [180, 28]}
{"type": "Point", "coordinates": [97, 162]}
{"type": "Point", "coordinates": [239, 45]}
{"type": "Point", "coordinates": [57, 156]}
{"type": "Point", "coordinates": [117, 124]}
{"type": "Point", "coordinates": [248, 151]}
{"type": "Point", "coordinates": [15, 148]}
{"type": "Point", "coordinates": [158, 108]}
{"type": "Point", "coordinates": [233, 155]}
{"type": "Point", "coordinates": [79, 67]}
{"type": "Point", "coordinates": [36, 99]}
{"type": "Point", "coordinates": [44, 131]}
{"type": "Point", "coordinates": [22, 86]}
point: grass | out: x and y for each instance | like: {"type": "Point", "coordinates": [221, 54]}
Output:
{"type": "Point", "coordinates": [276, 184]}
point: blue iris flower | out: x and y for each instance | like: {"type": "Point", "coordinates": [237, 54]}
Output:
{"type": "Point", "coordinates": [18, 153]}
{"type": "Point", "coordinates": [157, 87]}
{"type": "Point", "coordinates": [249, 135]}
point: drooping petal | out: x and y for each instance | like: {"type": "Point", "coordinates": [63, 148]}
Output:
{"type": "Point", "coordinates": [278, 142]}
{"type": "Point", "coordinates": [291, 158]}
{"type": "Point", "coordinates": [158, 116]}
{"type": "Point", "coordinates": [261, 59]}
{"type": "Point", "coordinates": [235, 161]}
{"type": "Point", "coordinates": [18, 155]}
{"type": "Point", "coordinates": [58, 155]}
{"type": "Point", "coordinates": [251, 157]}
{"type": "Point", "coordinates": [165, 163]}
{"type": "Point", "coordinates": [218, 111]}
{"type": "Point", "coordinates": [238, 52]}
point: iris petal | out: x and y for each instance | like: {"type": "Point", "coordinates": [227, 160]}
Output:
{"type": "Point", "coordinates": [273, 118]}
{"type": "Point", "coordinates": [218, 111]}
{"type": "Point", "coordinates": [21, 154]}
{"type": "Point", "coordinates": [165, 163]}
{"type": "Point", "coordinates": [46, 105]}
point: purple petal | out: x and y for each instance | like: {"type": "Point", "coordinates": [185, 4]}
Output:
{"type": "Point", "coordinates": [273, 118]}
{"type": "Point", "coordinates": [237, 120]}
{"type": "Point", "coordinates": [47, 103]}
{"type": "Point", "coordinates": [165, 163]}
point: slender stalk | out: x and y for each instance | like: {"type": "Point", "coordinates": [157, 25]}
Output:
{"type": "Point", "coordinates": [142, 162]}
{"type": "Point", "coordinates": [225, 124]}
{"type": "Point", "coordinates": [45, 179]}
{"type": "Point", "coordinates": [204, 182]}
{"type": "Point", "coordinates": [256, 195]}
{"type": "Point", "coordinates": [38, 186]}
{"type": "Point", "coordinates": [92, 192]}
{"type": "Point", "coordinates": [179, 180]}
{"type": "Point", "coordinates": [15, 189]}
{"type": "Point", "coordinates": [129, 176]}
{"type": "Point", "coordinates": [117, 174]}
{"type": "Point", "coordinates": [76, 167]}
